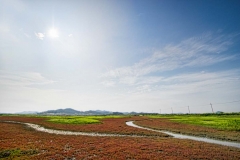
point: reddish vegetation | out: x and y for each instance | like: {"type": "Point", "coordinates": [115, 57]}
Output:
{"type": "Point", "coordinates": [166, 124]}
{"type": "Point", "coordinates": [50, 146]}
{"type": "Point", "coordinates": [39, 145]}
{"type": "Point", "coordinates": [109, 125]}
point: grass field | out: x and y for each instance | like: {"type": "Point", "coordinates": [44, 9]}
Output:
{"type": "Point", "coordinates": [220, 121]}
{"type": "Point", "coordinates": [78, 119]}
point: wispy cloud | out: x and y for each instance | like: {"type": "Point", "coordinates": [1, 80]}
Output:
{"type": "Point", "coordinates": [22, 79]}
{"type": "Point", "coordinates": [190, 83]}
{"type": "Point", "coordinates": [203, 81]}
{"type": "Point", "coordinates": [40, 35]}
{"type": "Point", "coordinates": [192, 52]}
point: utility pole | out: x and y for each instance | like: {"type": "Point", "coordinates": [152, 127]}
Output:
{"type": "Point", "coordinates": [188, 110]}
{"type": "Point", "coordinates": [212, 107]}
{"type": "Point", "coordinates": [172, 110]}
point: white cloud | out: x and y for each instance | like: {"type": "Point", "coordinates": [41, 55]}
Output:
{"type": "Point", "coordinates": [193, 89]}
{"type": "Point", "coordinates": [146, 94]}
{"type": "Point", "coordinates": [185, 84]}
{"type": "Point", "coordinates": [203, 81]}
{"type": "Point", "coordinates": [22, 79]}
{"type": "Point", "coordinates": [193, 52]}
{"type": "Point", "coordinates": [39, 35]}
{"type": "Point", "coordinates": [147, 83]}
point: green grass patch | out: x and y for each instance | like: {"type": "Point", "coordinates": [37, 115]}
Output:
{"type": "Point", "coordinates": [224, 122]}
{"type": "Point", "coordinates": [73, 120]}
{"type": "Point", "coordinates": [11, 154]}
{"type": "Point", "coordinates": [70, 119]}
{"type": "Point", "coordinates": [78, 119]}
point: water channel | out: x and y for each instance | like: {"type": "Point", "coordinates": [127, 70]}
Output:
{"type": "Point", "coordinates": [129, 123]}
{"type": "Point", "coordinates": [225, 143]}
{"type": "Point", "coordinates": [61, 132]}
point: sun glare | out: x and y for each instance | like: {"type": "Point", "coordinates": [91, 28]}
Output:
{"type": "Point", "coordinates": [53, 33]}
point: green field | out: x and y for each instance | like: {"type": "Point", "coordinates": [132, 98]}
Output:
{"type": "Point", "coordinates": [222, 121]}
{"type": "Point", "coordinates": [78, 119]}
{"type": "Point", "coordinates": [70, 119]}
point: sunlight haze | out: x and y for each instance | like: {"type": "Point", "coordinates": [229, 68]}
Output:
{"type": "Point", "coordinates": [120, 55]}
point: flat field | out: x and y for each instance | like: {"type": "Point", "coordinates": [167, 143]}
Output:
{"type": "Point", "coordinates": [222, 126]}
{"type": "Point", "coordinates": [17, 141]}
{"type": "Point", "coordinates": [229, 122]}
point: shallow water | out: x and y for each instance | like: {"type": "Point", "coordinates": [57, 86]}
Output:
{"type": "Point", "coordinates": [225, 143]}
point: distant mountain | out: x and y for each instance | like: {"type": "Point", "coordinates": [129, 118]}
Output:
{"type": "Point", "coordinates": [67, 111]}
{"type": "Point", "coordinates": [96, 112]}
{"type": "Point", "coordinates": [70, 111]}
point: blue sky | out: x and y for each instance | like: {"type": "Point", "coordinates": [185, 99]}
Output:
{"type": "Point", "coordinates": [128, 55]}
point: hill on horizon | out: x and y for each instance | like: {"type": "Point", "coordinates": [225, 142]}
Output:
{"type": "Point", "coordinates": [70, 111]}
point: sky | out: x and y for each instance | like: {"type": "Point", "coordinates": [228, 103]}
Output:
{"type": "Point", "coordinates": [163, 56]}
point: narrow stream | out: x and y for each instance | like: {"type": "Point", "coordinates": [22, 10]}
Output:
{"type": "Point", "coordinates": [129, 123]}
{"type": "Point", "coordinates": [225, 143]}
{"type": "Point", "coordinates": [61, 132]}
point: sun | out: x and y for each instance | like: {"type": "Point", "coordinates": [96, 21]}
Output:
{"type": "Point", "coordinates": [53, 33]}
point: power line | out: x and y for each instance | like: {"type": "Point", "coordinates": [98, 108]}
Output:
{"type": "Point", "coordinates": [228, 102]}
